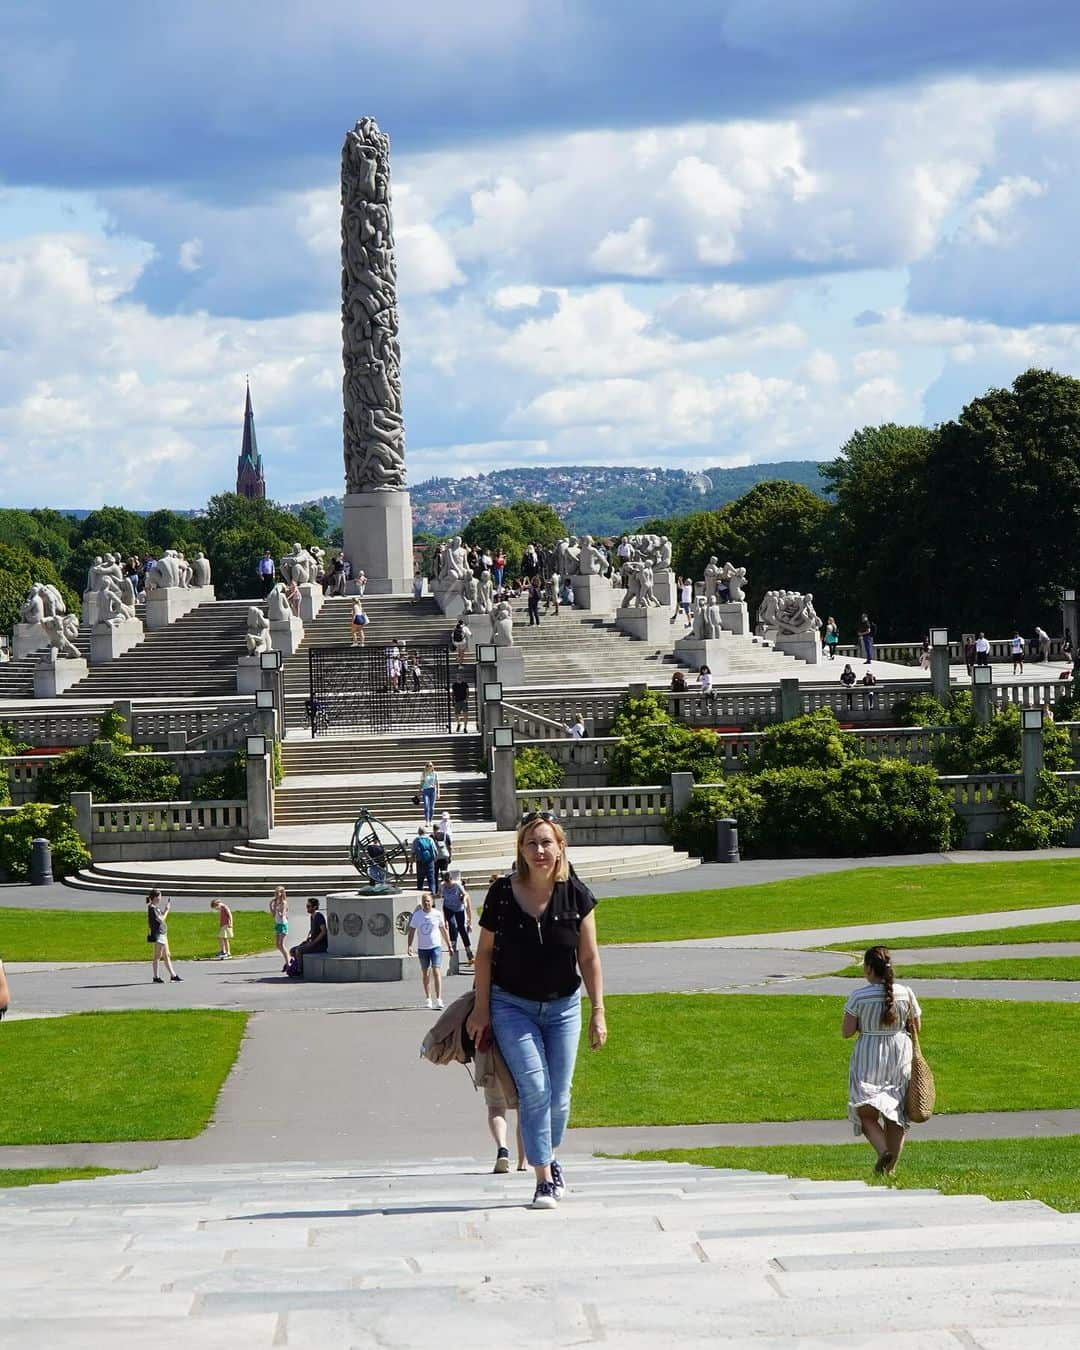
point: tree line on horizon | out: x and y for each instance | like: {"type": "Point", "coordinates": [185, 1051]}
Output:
{"type": "Point", "coordinates": [968, 524]}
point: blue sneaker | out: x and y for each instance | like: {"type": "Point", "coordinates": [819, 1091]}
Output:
{"type": "Point", "coordinates": [545, 1197]}
{"type": "Point", "coordinates": [557, 1179]}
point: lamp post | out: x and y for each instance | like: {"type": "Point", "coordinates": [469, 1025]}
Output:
{"type": "Point", "coordinates": [1031, 750]}
{"type": "Point", "coordinates": [982, 691]}
{"type": "Point", "coordinates": [270, 663]}
{"type": "Point", "coordinates": [939, 664]}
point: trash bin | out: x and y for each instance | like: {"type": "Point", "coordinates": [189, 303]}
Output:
{"type": "Point", "coordinates": [40, 863]}
{"type": "Point", "coordinates": [727, 841]}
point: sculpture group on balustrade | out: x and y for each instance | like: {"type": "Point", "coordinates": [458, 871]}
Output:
{"type": "Point", "coordinates": [788, 614]}
{"type": "Point", "coordinates": [728, 580]}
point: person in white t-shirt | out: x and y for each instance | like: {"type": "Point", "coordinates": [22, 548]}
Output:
{"type": "Point", "coordinates": [1016, 648]}
{"type": "Point", "coordinates": [704, 680]}
{"type": "Point", "coordinates": [982, 650]}
{"type": "Point", "coordinates": [428, 926]}
{"type": "Point", "coordinates": [686, 600]}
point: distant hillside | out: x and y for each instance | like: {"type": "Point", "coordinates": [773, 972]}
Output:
{"type": "Point", "coordinates": [593, 499]}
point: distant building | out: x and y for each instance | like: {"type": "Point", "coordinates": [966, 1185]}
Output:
{"type": "Point", "coordinates": [249, 469]}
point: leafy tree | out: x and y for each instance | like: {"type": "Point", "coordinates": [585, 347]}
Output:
{"type": "Point", "coordinates": [512, 529]}
{"type": "Point", "coordinates": [654, 745]}
{"type": "Point", "coordinates": [536, 770]}
{"type": "Point", "coordinates": [775, 531]}
{"type": "Point", "coordinates": [110, 767]}
{"type": "Point", "coordinates": [813, 741]}
{"type": "Point", "coordinates": [45, 534]}
{"type": "Point", "coordinates": [168, 529]}
{"type": "Point", "coordinates": [19, 569]}
{"type": "Point", "coordinates": [878, 554]}
{"type": "Point", "coordinates": [974, 747]}
{"type": "Point", "coordinates": [1002, 498]}
{"type": "Point", "coordinates": [237, 533]}
{"type": "Point", "coordinates": [312, 515]}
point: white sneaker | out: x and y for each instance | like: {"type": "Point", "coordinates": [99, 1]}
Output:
{"type": "Point", "coordinates": [439, 1003]}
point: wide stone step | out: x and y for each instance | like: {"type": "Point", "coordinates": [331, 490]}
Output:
{"type": "Point", "coordinates": [313, 1255]}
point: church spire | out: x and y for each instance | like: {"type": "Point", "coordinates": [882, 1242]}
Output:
{"type": "Point", "coordinates": [249, 470]}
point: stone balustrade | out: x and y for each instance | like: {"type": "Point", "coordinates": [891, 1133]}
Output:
{"type": "Point", "coordinates": [122, 831]}
{"type": "Point", "coordinates": [216, 724]}
{"type": "Point", "coordinates": [908, 653]}
{"type": "Point", "coordinates": [611, 816]}
{"type": "Point", "coordinates": [583, 760]}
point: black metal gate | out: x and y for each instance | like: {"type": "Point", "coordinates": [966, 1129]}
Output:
{"type": "Point", "coordinates": [377, 689]}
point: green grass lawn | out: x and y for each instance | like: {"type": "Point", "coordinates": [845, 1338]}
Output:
{"type": "Point", "coordinates": [1003, 1169]}
{"type": "Point", "coordinates": [1068, 930]}
{"type": "Point", "coordinates": [77, 935]}
{"type": "Point", "coordinates": [687, 1059]}
{"type": "Point", "coordinates": [865, 896]}
{"type": "Point", "coordinates": [1007, 968]}
{"type": "Point", "coordinates": [47, 1176]}
{"type": "Point", "coordinates": [95, 1077]}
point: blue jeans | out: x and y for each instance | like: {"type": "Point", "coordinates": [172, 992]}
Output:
{"type": "Point", "coordinates": [539, 1042]}
{"type": "Point", "coordinates": [425, 875]}
{"type": "Point", "coordinates": [455, 922]}
{"type": "Point", "coordinates": [868, 647]}
{"type": "Point", "coordinates": [428, 795]}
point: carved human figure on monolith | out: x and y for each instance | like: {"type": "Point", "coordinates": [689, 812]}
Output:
{"type": "Point", "coordinates": [712, 579]}
{"type": "Point", "coordinates": [502, 625]}
{"type": "Point", "coordinates": [62, 630]}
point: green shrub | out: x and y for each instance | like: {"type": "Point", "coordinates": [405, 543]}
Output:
{"type": "Point", "coordinates": [859, 807]}
{"type": "Point", "coordinates": [654, 745]}
{"type": "Point", "coordinates": [1049, 823]}
{"type": "Point", "coordinates": [111, 768]}
{"type": "Point", "coordinates": [18, 830]}
{"type": "Point", "coordinates": [228, 785]}
{"type": "Point", "coordinates": [976, 748]}
{"type": "Point", "coordinates": [534, 769]}
{"type": "Point", "coordinates": [812, 741]}
{"type": "Point", "coordinates": [921, 710]}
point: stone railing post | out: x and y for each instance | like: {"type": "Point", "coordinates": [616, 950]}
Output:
{"type": "Point", "coordinates": [790, 699]}
{"type": "Point", "coordinates": [1031, 750]}
{"type": "Point", "coordinates": [81, 803]}
{"type": "Point", "coordinates": [940, 653]}
{"type": "Point", "coordinates": [124, 707]}
{"type": "Point", "coordinates": [260, 809]}
{"type": "Point", "coordinates": [982, 694]}
{"type": "Point", "coordinates": [682, 788]}
{"type": "Point", "coordinates": [504, 789]}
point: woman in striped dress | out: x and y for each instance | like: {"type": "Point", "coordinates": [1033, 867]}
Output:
{"type": "Point", "coordinates": [881, 1059]}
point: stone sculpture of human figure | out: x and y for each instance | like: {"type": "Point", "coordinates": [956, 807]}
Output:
{"type": "Point", "coordinates": [257, 637]}
{"type": "Point", "coordinates": [591, 560]}
{"type": "Point", "coordinates": [92, 574]}
{"type": "Point", "coordinates": [105, 569]}
{"type": "Point", "coordinates": [114, 609]}
{"type": "Point", "coordinates": [663, 560]}
{"type": "Point", "coordinates": [470, 594]}
{"type": "Point", "coordinates": [712, 579]}
{"type": "Point", "coordinates": [700, 628]}
{"type": "Point", "coordinates": [712, 619]}
{"type": "Point", "coordinates": [768, 611]}
{"type": "Point", "coordinates": [485, 593]}
{"type": "Point", "coordinates": [52, 599]}
{"type": "Point", "coordinates": [502, 624]}
{"type": "Point", "coordinates": [127, 594]}
{"type": "Point", "coordinates": [298, 566]}
{"type": "Point", "coordinates": [61, 630]}
{"type": "Point", "coordinates": [277, 604]}
{"type": "Point", "coordinates": [647, 580]}
{"type": "Point", "coordinates": [735, 577]}
{"type": "Point", "coordinates": [633, 575]}
{"type": "Point", "coordinates": [455, 562]}
{"type": "Point", "coordinates": [33, 607]}
{"type": "Point", "coordinates": [200, 569]}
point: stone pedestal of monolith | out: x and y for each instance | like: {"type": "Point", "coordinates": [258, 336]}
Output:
{"type": "Point", "coordinates": [806, 647]}
{"type": "Point", "coordinates": [110, 640]}
{"type": "Point", "coordinates": [697, 652]}
{"type": "Point", "coordinates": [735, 618]}
{"type": "Point", "coordinates": [286, 635]}
{"type": "Point", "coordinates": [644, 623]}
{"type": "Point", "coordinates": [594, 593]}
{"type": "Point", "coordinates": [54, 673]}
{"type": "Point", "coordinates": [311, 601]}
{"type": "Point", "coordinates": [249, 675]}
{"type": "Point", "coordinates": [377, 533]}
{"type": "Point", "coordinates": [27, 639]}
{"type": "Point", "coordinates": [367, 938]}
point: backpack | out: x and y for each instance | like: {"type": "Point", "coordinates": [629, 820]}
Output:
{"type": "Point", "coordinates": [442, 853]}
{"type": "Point", "coordinates": [424, 848]}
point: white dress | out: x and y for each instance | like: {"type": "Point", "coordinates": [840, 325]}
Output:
{"type": "Point", "coordinates": [881, 1058]}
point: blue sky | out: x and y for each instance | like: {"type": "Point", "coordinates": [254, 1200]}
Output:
{"type": "Point", "coordinates": [712, 231]}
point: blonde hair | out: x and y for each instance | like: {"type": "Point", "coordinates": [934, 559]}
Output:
{"type": "Point", "coordinates": [562, 870]}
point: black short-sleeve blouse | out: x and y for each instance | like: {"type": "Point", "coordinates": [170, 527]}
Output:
{"type": "Point", "coordinates": [536, 958]}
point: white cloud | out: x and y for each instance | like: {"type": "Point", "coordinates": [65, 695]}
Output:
{"type": "Point", "coordinates": [190, 255]}
{"type": "Point", "coordinates": [628, 252]}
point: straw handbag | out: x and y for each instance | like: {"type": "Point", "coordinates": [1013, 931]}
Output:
{"type": "Point", "coordinates": [921, 1091]}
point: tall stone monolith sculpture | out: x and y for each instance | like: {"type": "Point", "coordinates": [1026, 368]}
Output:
{"type": "Point", "coordinates": [377, 520]}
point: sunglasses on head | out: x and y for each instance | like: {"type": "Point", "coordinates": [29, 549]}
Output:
{"type": "Point", "coordinates": [530, 816]}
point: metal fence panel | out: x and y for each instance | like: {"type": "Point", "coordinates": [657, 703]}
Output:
{"type": "Point", "coordinates": [368, 689]}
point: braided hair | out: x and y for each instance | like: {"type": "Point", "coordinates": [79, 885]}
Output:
{"type": "Point", "coordinates": [878, 961]}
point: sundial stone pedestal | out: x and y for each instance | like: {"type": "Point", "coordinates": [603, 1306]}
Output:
{"type": "Point", "coordinates": [367, 938]}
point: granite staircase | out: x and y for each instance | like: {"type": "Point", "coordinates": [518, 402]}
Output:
{"type": "Point", "coordinates": [637, 1255]}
